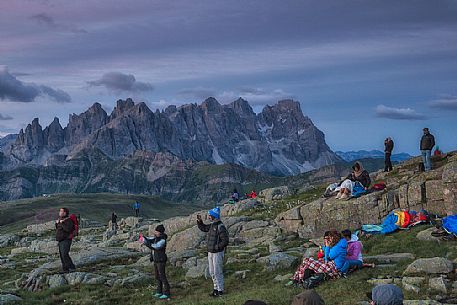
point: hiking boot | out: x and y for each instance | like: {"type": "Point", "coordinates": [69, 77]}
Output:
{"type": "Point", "coordinates": [157, 295]}
{"type": "Point", "coordinates": [220, 293]}
{"type": "Point", "coordinates": [164, 297]}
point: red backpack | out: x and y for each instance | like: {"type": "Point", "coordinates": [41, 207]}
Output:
{"type": "Point", "coordinates": [75, 230]}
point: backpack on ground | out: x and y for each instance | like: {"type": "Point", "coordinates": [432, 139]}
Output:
{"type": "Point", "coordinates": [313, 281]}
{"type": "Point", "coordinates": [75, 231]}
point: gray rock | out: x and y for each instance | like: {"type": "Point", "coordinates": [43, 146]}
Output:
{"type": "Point", "coordinates": [277, 261]}
{"type": "Point", "coordinates": [7, 298]}
{"type": "Point", "coordinates": [435, 265]}
{"type": "Point", "coordinates": [282, 278]}
{"type": "Point", "coordinates": [56, 280]}
{"type": "Point", "coordinates": [8, 240]}
{"type": "Point", "coordinates": [241, 274]}
{"type": "Point", "coordinates": [413, 280]}
{"type": "Point", "coordinates": [427, 235]}
{"type": "Point", "coordinates": [410, 287]}
{"type": "Point", "coordinates": [75, 278]}
{"type": "Point", "coordinates": [438, 284]}
{"type": "Point", "coordinates": [199, 269]}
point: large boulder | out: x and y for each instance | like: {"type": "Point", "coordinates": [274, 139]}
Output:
{"type": "Point", "coordinates": [187, 239]}
{"type": "Point", "coordinates": [278, 260]}
{"type": "Point", "coordinates": [434, 265]}
{"type": "Point", "coordinates": [41, 227]}
{"type": "Point", "coordinates": [275, 193]}
{"type": "Point", "coordinates": [8, 240]}
{"type": "Point", "coordinates": [196, 267]}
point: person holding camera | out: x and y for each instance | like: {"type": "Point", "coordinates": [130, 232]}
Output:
{"type": "Point", "coordinates": [158, 245]}
{"type": "Point", "coordinates": [216, 241]}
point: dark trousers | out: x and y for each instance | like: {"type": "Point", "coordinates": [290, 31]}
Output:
{"type": "Point", "coordinates": [387, 162]}
{"type": "Point", "coordinates": [64, 250]}
{"type": "Point", "coordinates": [162, 282]}
{"type": "Point", "coordinates": [137, 212]}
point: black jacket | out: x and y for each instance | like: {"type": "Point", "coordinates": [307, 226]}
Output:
{"type": "Point", "coordinates": [388, 146]}
{"type": "Point", "coordinates": [64, 229]}
{"type": "Point", "coordinates": [364, 178]}
{"type": "Point", "coordinates": [158, 254]}
{"type": "Point", "coordinates": [217, 239]}
{"type": "Point", "coordinates": [427, 141]}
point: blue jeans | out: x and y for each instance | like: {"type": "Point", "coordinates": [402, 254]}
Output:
{"type": "Point", "coordinates": [350, 264]}
{"type": "Point", "coordinates": [426, 155]}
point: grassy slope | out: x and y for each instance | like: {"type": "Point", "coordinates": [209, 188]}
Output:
{"type": "Point", "coordinates": [15, 215]}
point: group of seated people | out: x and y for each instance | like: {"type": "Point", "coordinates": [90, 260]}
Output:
{"type": "Point", "coordinates": [340, 254]}
{"type": "Point", "coordinates": [235, 197]}
{"type": "Point", "coordinates": [355, 184]}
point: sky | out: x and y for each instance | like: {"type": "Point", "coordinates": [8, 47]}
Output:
{"type": "Point", "coordinates": [362, 70]}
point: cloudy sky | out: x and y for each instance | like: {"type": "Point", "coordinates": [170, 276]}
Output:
{"type": "Point", "coordinates": [362, 70]}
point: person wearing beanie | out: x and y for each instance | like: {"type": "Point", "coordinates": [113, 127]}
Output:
{"type": "Point", "coordinates": [216, 241]}
{"type": "Point", "coordinates": [388, 294]}
{"type": "Point", "coordinates": [309, 297]}
{"type": "Point", "coordinates": [158, 246]}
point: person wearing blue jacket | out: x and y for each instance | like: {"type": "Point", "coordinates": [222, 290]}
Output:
{"type": "Point", "coordinates": [335, 249]}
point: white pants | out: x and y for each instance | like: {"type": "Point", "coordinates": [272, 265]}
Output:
{"type": "Point", "coordinates": [216, 264]}
{"type": "Point", "coordinates": [348, 184]}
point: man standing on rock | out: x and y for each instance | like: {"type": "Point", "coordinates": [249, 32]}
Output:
{"type": "Point", "coordinates": [64, 235]}
{"type": "Point", "coordinates": [427, 143]}
{"type": "Point", "coordinates": [216, 241]}
{"type": "Point", "coordinates": [388, 147]}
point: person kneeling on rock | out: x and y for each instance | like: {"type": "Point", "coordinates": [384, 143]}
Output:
{"type": "Point", "coordinates": [158, 245]}
{"type": "Point", "coordinates": [216, 241]}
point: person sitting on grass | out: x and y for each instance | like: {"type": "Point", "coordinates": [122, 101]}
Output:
{"type": "Point", "coordinates": [158, 245]}
{"type": "Point", "coordinates": [335, 250]}
{"type": "Point", "coordinates": [354, 258]}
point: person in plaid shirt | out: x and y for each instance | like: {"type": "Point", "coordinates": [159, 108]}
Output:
{"type": "Point", "coordinates": [332, 262]}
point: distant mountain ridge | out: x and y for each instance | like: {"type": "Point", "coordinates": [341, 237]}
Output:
{"type": "Point", "coordinates": [350, 156]}
{"type": "Point", "coordinates": [280, 140]}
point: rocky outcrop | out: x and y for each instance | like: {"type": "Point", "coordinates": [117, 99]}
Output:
{"type": "Point", "coordinates": [434, 191]}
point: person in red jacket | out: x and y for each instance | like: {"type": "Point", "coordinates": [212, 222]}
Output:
{"type": "Point", "coordinates": [64, 235]}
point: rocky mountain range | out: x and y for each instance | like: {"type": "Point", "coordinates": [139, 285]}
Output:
{"type": "Point", "coordinates": [280, 140]}
{"type": "Point", "coordinates": [169, 152]}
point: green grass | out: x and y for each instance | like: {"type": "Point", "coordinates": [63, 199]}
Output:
{"type": "Point", "coordinates": [16, 215]}
{"type": "Point", "coordinates": [271, 209]}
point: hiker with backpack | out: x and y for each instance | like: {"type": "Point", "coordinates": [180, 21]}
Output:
{"type": "Point", "coordinates": [356, 183]}
{"type": "Point", "coordinates": [216, 241]}
{"type": "Point", "coordinates": [158, 246]}
{"type": "Point", "coordinates": [66, 229]}
{"type": "Point", "coordinates": [426, 146]}
{"type": "Point", "coordinates": [388, 147]}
